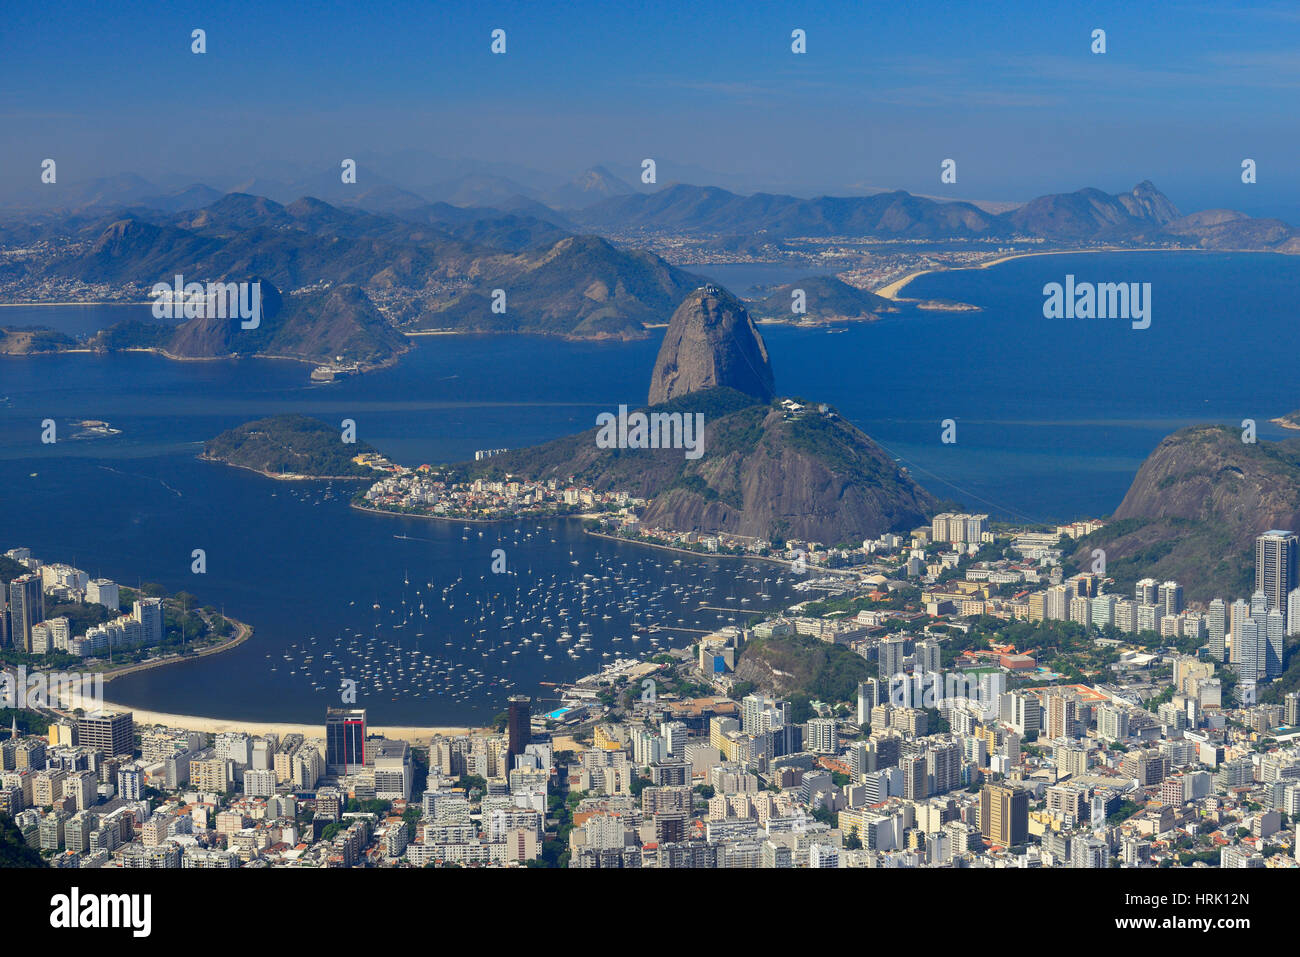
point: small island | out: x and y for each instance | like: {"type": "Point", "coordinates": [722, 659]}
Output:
{"type": "Point", "coordinates": [294, 447]}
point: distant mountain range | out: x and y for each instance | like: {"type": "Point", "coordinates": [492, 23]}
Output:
{"type": "Point", "coordinates": [431, 267]}
{"type": "Point", "coordinates": [597, 200]}
{"type": "Point", "coordinates": [1142, 215]}
{"type": "Point", "coordinates": [524, 266]}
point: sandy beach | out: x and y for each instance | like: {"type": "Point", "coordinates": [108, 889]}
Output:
{"type": "Point", "coordinates": [311, 731]}
{"type": "Point", "coordinates": [892, 290]}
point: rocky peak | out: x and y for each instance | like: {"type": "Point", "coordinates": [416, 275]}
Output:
{"type": "Point", "coordinates": [711, 341]}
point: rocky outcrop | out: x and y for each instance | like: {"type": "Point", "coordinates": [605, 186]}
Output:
{"type": "Point", "coordinates": [711, 342]}
{"type": "Point", "coordinates": [1195, 508]}
{"type": "Point", "coordinates": [808, 475]}
{"type": "Point", "coordinates": [766, 471]}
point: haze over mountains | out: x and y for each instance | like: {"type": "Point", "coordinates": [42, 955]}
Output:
{"type": "Point", "coordinates": [598, 200]}
{"type": "Point", "coordinates": [521, 266]}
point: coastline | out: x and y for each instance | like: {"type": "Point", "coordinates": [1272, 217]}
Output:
{"type": "Point", "coordinates": [286, 476]}
{"type": "Point", "coordinates": [3, 305]}
{"type": "Point", "coordinates": [891, 290]}
{"type": "Point", "coordinates": [456, 518]}
{"type": "Point", "coordinates": [784, 563]}
{"type": "Point", "coordinates": [190, 722]}
{"type": "Point", "coordinates": [243, 632]}
{"type": "Point", "coordinates": [362, 369]}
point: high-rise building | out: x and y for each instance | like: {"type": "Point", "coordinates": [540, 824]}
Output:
{"type": "Point", "coordinates": [1024, 713]}
{"type": "Point", "coordinates": [345, 740]}
{"type": "Point", "coordinates": [26, 609]}
{"type": "Point", "coordinates": [1058, 603]}
{"type": "Point", "coordinates": [1004, 815]}
{"type": "Point", "coordinates": [1217, 622]}
{"type": "Point", "coordinates": [1275, 640]}
{"type": "Point", "coordinates": [149, 613]}
{"type": "Point", "coordinates": [110, 732]}
{"type": "Point", "coordinates": [1258, 605]}
{"type": "Point", "coordinates": [1081, 610]}
{"type": "Point", "coordinates": [1293, 612]}
{"type": "Point", "coordinates": [1275, 566]}
{"type": "Point", "coordinates": [890, 652]}
{"type": "Point", "coordinates": [943, 764]}
{"type": "Point", "coordinates": [519, 727]}
{"type": "Point", "coordinates": [823, 736]}
{"type": "Point", "coordinates": [1171, 597]}
{"type": "Point", "coordinates": [1145, 593]}
{"type": "Point", "coordinates": [1103, 610]}
{"type": "Point", "coordinates": [1112, 723]}
{"type": "Point", "coordinates": [1247, 649]}
{"type": "Point", "coordinates": [916, 777]}
{"type": "Point", "coordinates": [102, 591]}
{"type": "Point", "coordinates": [1239, 614]}
{"type": "Point", "coordinates": [869, 695]}
{"type": "Point", "coordinates": [927, 655]}
{"type": "Point", "coordinates": [1062, 707]}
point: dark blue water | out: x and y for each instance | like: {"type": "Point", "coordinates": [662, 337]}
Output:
{"type": "Point", "coordinates": [1053, 418]}
{"type": "Point", "coordinates": [75, 321]}
{"type": "Point", "coordinates": [296, 562]}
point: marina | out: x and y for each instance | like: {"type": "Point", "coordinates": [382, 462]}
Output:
{"type": "Point", "coordinates": [501, 624]}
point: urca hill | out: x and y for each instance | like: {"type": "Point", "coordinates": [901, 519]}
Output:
{"type": "Point", "coordinates": [770, 467]}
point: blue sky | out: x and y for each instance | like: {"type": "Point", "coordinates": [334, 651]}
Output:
{"type": "Point", "coordinates": [885, 92]}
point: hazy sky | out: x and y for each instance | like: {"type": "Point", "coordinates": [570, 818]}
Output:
{"type": "Point", "coordinates": [885, 92]}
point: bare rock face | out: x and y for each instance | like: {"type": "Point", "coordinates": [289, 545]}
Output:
{"type": "Point", "coordinates": [711, 341]}
{"type": "Point", "coordinates": [1195, 508]}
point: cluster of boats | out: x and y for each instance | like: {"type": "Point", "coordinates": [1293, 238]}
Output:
{"type": "Point", "coordinates": [475, 638]}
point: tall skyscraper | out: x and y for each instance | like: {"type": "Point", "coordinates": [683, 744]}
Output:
{"type": "Point", "coordinates": [1247, 650]}
{"type": "Point", "coordinates": [1293, 612]}
{"type": "Point", "coordinates": [1217, 622]}
{"type": "Point", "coordinates": [26, 609]}
{"type": "Point", "coordinates": [519, 727]}
{"type": "Point", "coordinates": [1145, 592]}
{"type": "Point", "coordinates": [1275, 641]}
{"type": "Point", "coordinates": [345, 740]}
{"type": "Point", "coordinates": [1275, 566]}
{"type": "Point", "coordinates": [1240, 614]}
